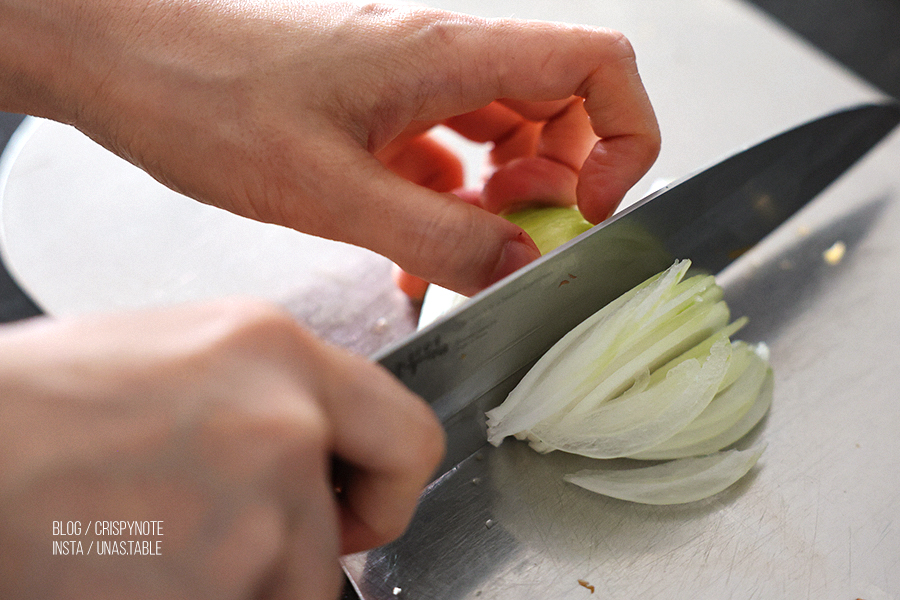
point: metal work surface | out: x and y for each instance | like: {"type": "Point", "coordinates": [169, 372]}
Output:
{"type": "Point", "coordinates": [467, 362]}
{"type": "Point", "coordinates": [819, 517]}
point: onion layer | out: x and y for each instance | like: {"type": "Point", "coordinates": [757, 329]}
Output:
{"type": "Point", "coordinates": [674, 482]}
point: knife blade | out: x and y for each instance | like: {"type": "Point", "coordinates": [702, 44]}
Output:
{"type": "Point", "coordinates": [468, 361]}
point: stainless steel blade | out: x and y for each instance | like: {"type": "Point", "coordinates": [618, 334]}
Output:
{"type": "Point", "coordinates": [467, 362]}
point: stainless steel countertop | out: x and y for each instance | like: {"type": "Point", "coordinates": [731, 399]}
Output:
{"type": "Point", "coordinates": [818, 518]}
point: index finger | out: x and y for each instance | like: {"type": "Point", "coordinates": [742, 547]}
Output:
{"type": "Point", "coordinates": [388, 441]}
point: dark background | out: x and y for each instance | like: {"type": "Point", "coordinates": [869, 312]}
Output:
{"type": "Point", "coordinates": [862, 34]}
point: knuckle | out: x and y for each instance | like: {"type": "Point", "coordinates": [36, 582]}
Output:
{"type": "Point", "coordinates": [433, 242]}
{"type": "Point", "coordinates": [432, 446]}
{"type": "Point", "coordinates": [425, 441]}
{"type": "Point", "coordinates": [423, 437]}
{"type": "Point", "coordinates": [264, 438]}
{"type": "Point", "coordinates": [391, 529]}
{"type": "Point", "coordinates": [611, 49]}
{"type": "Point", "coordinates": [442, 29]}
{"type": "Point", "coordinates": [301, 423]}
{"type": "Point", "coordinates": [429, 448]}
{"type": "Point", "coordinates": [255, 325]}
{"type": "Point", "coordinates": [454, 245]}
{"type": "Point", "coordinates": [616, 43]}
{"type": "Point", "coordinates": [252, 314]}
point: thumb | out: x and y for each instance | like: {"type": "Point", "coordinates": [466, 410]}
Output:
{"type": "Point", "coordinates": [435, 236]}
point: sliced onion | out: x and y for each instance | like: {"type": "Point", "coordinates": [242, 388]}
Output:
{"type": "Point", "coordinates": [675, 482]}
{"type": "Point", "coordinates": [639, 421]}
{"type": "Point", "coordinates": [549, 382]}
{"type": "Point", "coordinates": [729, 404]}
{"type": "Point", "coordinates": [744, 425]}
{"type": "Point", "coordinates": [653, 324]}
{"type": "Point", "coordinates": [653, 375]}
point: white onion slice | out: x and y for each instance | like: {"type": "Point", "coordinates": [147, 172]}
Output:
{"type": "Point", "coordinates": [652, 328]}
{"type": "Point", "coordinates": [529, 403]}
{"type": "Point", "coordinates": [674, 482]}
{"type": "Point", "coordinates": [636, 422]}
{"type": "Point", "coordinates": [654, 376]}
{"type": "Point", "coordinates": [563, 376]}
{"type": "Point", "coordinates": [729, 405]}
{"type": "Point", "coordinates": [751, 418]}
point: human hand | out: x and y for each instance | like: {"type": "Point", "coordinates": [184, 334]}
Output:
{"type": "Point", "coordinates": [220, 420]}
{"type": "Point", "coordinates": [537, 150]}
{"type": "Point", "coordinates": [276, 110]}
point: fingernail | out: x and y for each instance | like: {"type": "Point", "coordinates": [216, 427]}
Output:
{"type": "Point", "coordinates": [516, 254]}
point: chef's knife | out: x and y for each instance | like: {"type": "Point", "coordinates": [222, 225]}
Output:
{"type": "Point", "coordinates": [468, 361]}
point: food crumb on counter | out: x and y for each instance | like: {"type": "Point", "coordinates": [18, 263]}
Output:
{"type": "Point", "coordinates": [381, 325]}
{"type": "Point", "coordinates": [586, 585]}
{"type": "Point", "coordinates": [835, 253]}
